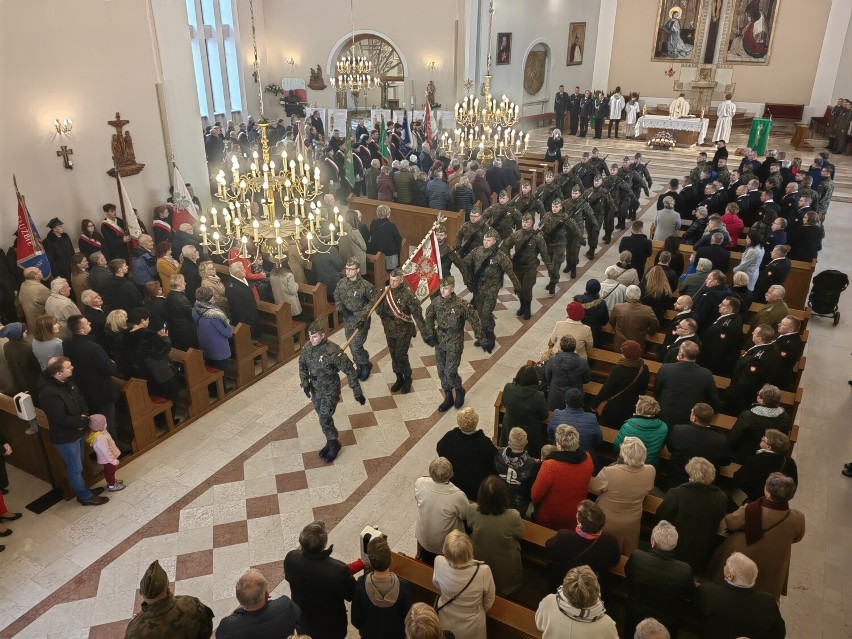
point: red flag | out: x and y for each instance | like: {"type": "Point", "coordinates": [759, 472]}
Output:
{"type": "Point", "coordinates": [423, 270]}
{"type": "Point", "coordinates": [186, 210]}
{"type": "Point", "coordinates": [28, 247]}
{"type": "Point", "coordinates": [427, 122]}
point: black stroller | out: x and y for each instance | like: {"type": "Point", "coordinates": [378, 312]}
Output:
{"type": "Point", "coordinates": [825, 294]}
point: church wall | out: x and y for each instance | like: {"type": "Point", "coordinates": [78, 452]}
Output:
{"type": "Point", "coordinates": [843, 85]}
{"type": "Point", "coordinates": [788, 78]}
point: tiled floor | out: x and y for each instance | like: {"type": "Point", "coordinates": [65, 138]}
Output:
{"type": "Point", "coordinates": [234, 489]}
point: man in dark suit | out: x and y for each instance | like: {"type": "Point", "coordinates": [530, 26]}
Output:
{"type": "Point", "coordinates": [681, 385]}
{"type": "Point", "coordinates": [760, 365]}
{"type": "Point", "coordinates": [189, 270]}
{"type": "Point", "coordinates": [93, 310]}
{"type": "Point", "coordinates": [685, 331]}
{"type": "Point", "coordinates": [721, 152]}
{"type": "Point", "coordinates": [574, 109]}
{"type": "Point", "coordinates": [674, 183]}
{"type": "Point", "coordinates": [560, 106]}
{"type": "Point", "coordinates": [497, 177]}
{"type": "Point", "coordinates": [706, 301]}
{"type": "Point", "coordinates": [696, 439]}
{"type": "Point", "coordinates": [733, 185]}
{"type": "Point", "coordinates": [790, 201]}
{"type": "Point", "coordinates": [754, 194]}
{"type": "Point", "coordinates": [768, 203]}
{"type": "Point", "coordinates": [639, 245]}
{"type": "Point", "coordinates": [712, 199]}
{"type": "Point", "coordinates": [790, 348]}
{"type": "Point", "coordinates": [747, 215]}
{"type": "Point", "coordinates": [763, 172]}
{"type": "Point", "coordinates": [716, 252]}
{"type": "Point", "coordinates": [775, 272]}
{"type": "Point", "coordinates": [683, 308]}
{"type": "Point", "coordinates": [722, 339]}
{"type": "Point", "coordinates": [241, 299]}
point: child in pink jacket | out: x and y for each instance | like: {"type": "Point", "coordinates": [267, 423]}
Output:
{"type": "Point", "coordinates": [106, 451]}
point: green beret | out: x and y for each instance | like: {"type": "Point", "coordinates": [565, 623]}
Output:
{"type": "Point", "coordinates": [317, 326]}
{"type": "Point", "coordinates": [637, 156]}
{"type": "Point", "coordinates": [613, 165]}
{"type": "Point", "coordinates": [548, 174]}
{"type": "Point", "coordinates": [594, 149]}
{"type": "Point", "coordinates": [448, 280]}
{"type": "Point", "coordinates": [440, 228]}
{"type": "Point", "coordinates": [598, 178]}
{"type": "Point", "coordinates": [586, 154]}
{"type": "Point", "coordinates": [154, 581]}
{"type": "Point", "coordinates": [576, 189]}
{"type": "Point", "coordinates": [566, 167]}
{"type": "Point", "coordinates": [525, 183]}
{"type": "Point", "coordinates": [626, 159]}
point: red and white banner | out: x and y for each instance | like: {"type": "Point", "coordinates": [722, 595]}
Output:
{"type": "Point", "coordinates": [423, 270]}
{"type": "Point", "coordinates": [186, 212]}
{"type": "Point", "coordinates": [130, 219]}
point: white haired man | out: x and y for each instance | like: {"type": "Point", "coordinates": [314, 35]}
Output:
{"type": "Point", "coordinates": [59, 305]}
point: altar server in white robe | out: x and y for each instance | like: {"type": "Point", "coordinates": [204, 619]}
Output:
{"type": "Point", "coordinates": [616, 106]}
{"type": "Point", "coordinates": [725, 112]}
{"type": "Point", "coordinates": [632, 111]}
{"type": "Point", "coordinates": [679, 108]}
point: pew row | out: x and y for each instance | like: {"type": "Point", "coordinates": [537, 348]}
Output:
{"type": "Point", "coordinates": [245, 353]}
{"type": "Point", "coordinates": [198, 378]}
{"type": "Point", "coordinates": [413, 222]}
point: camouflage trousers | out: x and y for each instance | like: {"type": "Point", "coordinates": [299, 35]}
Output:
{"type": "Point", "coordinates": [572, 252]}
{"type": "Point", "coordinates": [360, 356]}
{"type": "Point", "coordinates": [484, 302]}
{"type": "Point", "coordinates": [556, 252]}
{"type": "Point", "coordinates": [527, 276]}
{"type": "Point", "coordinates": [325, 402]}
{"type": "Point", "coordinates": [447, 359]}
{"type": "Point", "coordinates": [592, 233]}
{"type": "Point", "coordinates": [398, 348]}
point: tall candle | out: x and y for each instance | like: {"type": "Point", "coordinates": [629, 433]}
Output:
{"type": "Point", "coordinates": [254, 225]}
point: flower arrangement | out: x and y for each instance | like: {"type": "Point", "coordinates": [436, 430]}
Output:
{"type": "Point", "coordinates": [662, 140]}
{"type": "Point", "coordinates": [274, 89]}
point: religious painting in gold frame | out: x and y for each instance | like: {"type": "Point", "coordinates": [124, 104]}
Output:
{"type": "Point", "coordinates": [750, 31]}
{"type": "Point", "coordinates": [576, 43]}
{"type": "Point", "coordinates": [678, 29]}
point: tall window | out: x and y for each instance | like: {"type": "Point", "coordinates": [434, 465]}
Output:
{"type": "Point", "coordinates": [214, 55]}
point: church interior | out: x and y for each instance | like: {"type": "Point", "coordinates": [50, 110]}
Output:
{"type": "Point", "coordinates": [96, 88]}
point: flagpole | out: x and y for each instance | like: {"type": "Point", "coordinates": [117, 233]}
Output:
{"type": "Point", "coordinates": [123, 212]}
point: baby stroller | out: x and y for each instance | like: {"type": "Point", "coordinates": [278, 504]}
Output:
{"type": "Point", "coordinates": [825, 294]}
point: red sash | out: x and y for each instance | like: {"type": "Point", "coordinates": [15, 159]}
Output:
{"type": "Point", "coordinates": [91, 241]}
{"type": "Point", "coordinates": [395, 309]}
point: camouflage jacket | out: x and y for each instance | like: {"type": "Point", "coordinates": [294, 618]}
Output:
{"type": "Point", "coordinates": [582, 214]}
{"type": "Point", "coordinates": [642, 171]}
{"type": "Point", "coordinates": [449, 256]}
{"type": "Point", "coordinates": [353, 299]}
{"type": "Point", "coordinates": [724, 175]}
{"type": "Point", "coordinates": [566, 182]}
{"type": "Point", "coordinates": [528, 204]}
{"type": "Point", "coordinates": [619, 188]}
{"type": "Point", "coordinates": [695, 173]}
{"type": "Point", "coordinates": [487, 266]}
{"type": "Point", "coordinates": [546, 193]}
{"type": "Point", "coordinates": [470, 236]}
{"type": "Point", "coordinates": [175, 617]}
{"type": "Point", "coordinates": [504, 218]}
{"type": "Point", "coordinates": [599, 201]}
{"type": "Point", "coordinates": [633, 179]}
{"type": "Point", "coordinates": [445, 320]}
{"type": "Point", "coordinates": [528, 246]}
{"type": "Point", "coordinates": [598, 164]}
{"type": "Point", "coordinates": [824, 192]}
{"type": "Point", "coordinates": [406, 303]}
{"type": "Point", "coordinates": [585, 173]}
{"type": "Point", "coordinates": [555, 228]}
{"type": "Point", "coordinates": [808, 192]}
{"type": "Point", "coordinates": [320, 367]}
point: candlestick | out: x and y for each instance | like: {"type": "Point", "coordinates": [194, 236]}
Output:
{"type": "Point", "coordinates": [214, 213]}
{"type": "Point", "coordinates": [216, 237]}
{"type": "Point", "coordinates": [277, 226]}
{"type": "Point", "coordinates": [255, 225]}
{"type": "Point", "coordinates": [279, 241]}
{"type": "Point", "coordinates": [204, 235]}
{"type": "Point", "coordinates": [244, 241]}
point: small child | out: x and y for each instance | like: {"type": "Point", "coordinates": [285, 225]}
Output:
{"type": "Point", "coordinates": [106, 451]}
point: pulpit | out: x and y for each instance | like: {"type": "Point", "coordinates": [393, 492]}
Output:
{"type": "Point", "coordinates": [759, 136]}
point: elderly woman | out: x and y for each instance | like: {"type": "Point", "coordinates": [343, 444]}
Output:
{"type": "Point", "coordinates": [115, 325]}
{"type": "Point", "coordinates": [210, 278]}
{"type": "Point", "coordinates": [695, 509]}
{"type": "Point", "coordinates": [565, 370]}
{"type": "Point", "coordinates": [586, 423]}
{"type": "Point", "coordinates": [770, 457]}
{"type": "Point", "coordinates": [285, 288]}
{"type": "Point", "coordinates": [573, 326]}
{"type": "Point", "coordinates": [59, 305]}
{"type": "Point", "coordinates": [563, 481]}
{"type": "Point", "coordinates": [743, 293]}
{"type": "Point", "coordinates": [753, 423]}
{"type": "Point", "coordinates": [694, 282]}
{"type": "Point", "coordinates": [466, 586]}
{"type": "Point", "coordinates": [179, 313]}
{"type": "Point", "coordinates": [576, 610]}
{"type": "Point", "coordinates": [46, 340]}
{"type": "Point", "coordinates": [469, 450]}
{"type": "Point", "coordinates": [79, 276]}
{"type": "Point", "coordinates": [213, 329]}
{"type": "Point", "coordinates": [517, 469]}
{"type": "Point", "coordinates": [612, 291]}
{"type": "Point", "coordinates": [621, 490]}
{"type": "Point", "coordinates": [441, 508]}
{"type": "Point", "coordinates": [764, 531]}
{"type": "Point", "coordinates": [167, 265]}
{"type": "Point", "coordinates": [627, 380]}
{"type": "Point", "coordinates": [525, 407]}
{"type": "Point", "coordinates": [645, 425]}
{"type": "Point", "coordinates": [667, 221]}
{"type": "Point", "coordinates": [384, 185]}
{"type": "Point", "coordinates": [496, 530]}
{"type": "Point", "coordinates": [627, 274]}
{"type": "Point", "coordinates": [353, 244]}
{"type": "Point", "coordinates": [751, 259]}
{"type": "Point", "coordinates": [385, 237]}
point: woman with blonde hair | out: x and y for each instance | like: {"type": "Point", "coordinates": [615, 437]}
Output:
{"type": "Point", "coordinates": [576, 610]}
{"type": "Point", "coordinates": [116, 324]}
{"type": "Point", "coordinates": [166, 265]}
{"type": "Point", "coordinates": [353, 244]}
{"type": "Point", "coordinates": [466, 586]}
{"type": "Point", "coordinates": [421, 622]}
{"type": "Point", "coordinates": [463, 196]}
{"type": "Point", "coordinates": [646, 426]}
{"type": "Point", "coordinates": [621, 490]}
{"type": "Point", "coordinates": [657, 292]}
{"type": "Point", "coordinates": [46, 342]}
{"type": "Point", "coordinates": [210, 278]}
{"type": "Point", "coordinates": [285, 288]}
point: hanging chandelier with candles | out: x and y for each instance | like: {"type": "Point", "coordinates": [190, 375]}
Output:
{"type": "Point", "coordinates": [354, 73]}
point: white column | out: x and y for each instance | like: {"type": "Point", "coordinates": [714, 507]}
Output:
{"type": "Point", "coordinates": [829, 58]}
{"type": "Point", "coordinates": [603, 48]}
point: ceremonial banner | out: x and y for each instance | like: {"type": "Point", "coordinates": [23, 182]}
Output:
{"type": "Point", "coordinates": [427, 123]}
{"type": "Point", "coordinates": [759, 136]}
{"type": "Point", "coordinates": [349, 166]}
{"type": "Point", "coordinates": [406, 135]}
{"type": "Point", "coordinates": [29, 249]}
{"type": "Point", "coordinates": [383, 140]}
{"type": "Point", "coordinates": [423, 270]}
{"type": "Point", "coordinates": [130, 219]}
{"type": "Point", "coordinates": [186, 212]}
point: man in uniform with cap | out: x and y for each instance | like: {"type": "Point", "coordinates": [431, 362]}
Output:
{"type": "Point", "coordinates": [449, 255]}
{"type": "Point", "coordinates": [528, 245]}
{"type": "Point", "coordinates": [603, 208]}
{"type": "Point", "coordinates": [700, 166]}
{"type": "Point", "coordinates": [618, 187]}
{"type": "Point", "coordinates": [580, 213]}
{"type": "Point", "coordinates": [400, 310]}
{"type": "Point", "coordinates": [470, 233]}
{"type": "Point", "coordinates": [320, 365]}
{"type": "Point", "coordinates": [503, 217]}
{"type": "Point", "coordinates": [526, 202]}
{"type": "Point", "coordinates": [166, 615]}
{"type": "Point", "coordinates": [555, 228]}
{"type": "Point", "coordinates": [548, 191]}
{"type": "Point", "coordinates": [566, 180]}
{"type": "Point", "coordinates": [643, 183]}
{"type": "Point", "coordinates": [597, 162]}
{"type": "Point", "coordinates": [636, 183]}
{"type": "Point", "coordinates": [486, 265]}
{"type": "Point", "coordinates": [585, 172]}
{"type": "Point", "coordinates": [59, 249]}
{"type": "Point", "coordinates": [353, 296]}
{"type": "Point", "coordinates": [445, 319]}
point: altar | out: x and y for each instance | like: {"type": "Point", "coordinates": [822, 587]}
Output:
{"type": "Point", "coordinates": [687, 131]}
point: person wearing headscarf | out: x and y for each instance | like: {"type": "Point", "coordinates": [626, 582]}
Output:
{"type": "Point", "coordinates": [572, 325]}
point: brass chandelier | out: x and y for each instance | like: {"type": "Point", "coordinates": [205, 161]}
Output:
{"type": "Point", "coordinates": [354, 73]}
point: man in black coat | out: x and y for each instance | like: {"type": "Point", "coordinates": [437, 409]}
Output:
{"type": "Point", "coordinates": [98, 272]}
{"type": "Point", "coordinates": [706, 302]}
{"type": "Point", "coordinates": [683, 310]}
{"type": "Point", "coordinates": [674, 183]}
{"type": "Point", "coordinates": [560, 106]}
{"type": "Point", "coordinates": [319, 584]}
{"type": "Point", "coordinates": [680, 386]}
{"type": "Point", "coordinates": [470, 451]}
{"type": "Point", "coordinates": [685, 331]}
{"type": "Point", "coordinates": [189, 270]}
{"type": "Point", "coordinates": [118, 291]}
{"type": "Point", "coordinates": [241, 299]}
{"type": "Point", "coordinates": [721, 152]}
{"type": "Point", "coordinates": [775, 272]}
{"type": "Point", "coordinates": [497, 177]}
{"type": "Point", "coordinates": [763, 172]}
{"type": "Point", "coordinates": [722, 339]}
{"type": "Point", "coordinates": [258, 615]}
{"type": "Point", "coordinates": [59, 249]}
{"type": "Point", "coordinates": [574, 110]}
{"type": "Point", "coordinates": [658, 584]}
{"type": "Point", "coordinates": [639, 245]}
{"type": "Point", "coordinates": [183, 236]}
{"type": "Point", "coordinates": [758, 366]}
{"type": "Point", "coordinates": [790, 348]}
{"type": "Point", "coordinates": [735, 608]}
{"type": "Point", "coordinates": [696, 439]}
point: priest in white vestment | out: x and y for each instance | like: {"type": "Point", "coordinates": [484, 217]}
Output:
{"type": "Point", "coordinates": [679, 108]}
{"type": "Point", "coordinates": [632, 111]}
{"type": "Point", "coordinates": [725, 116]}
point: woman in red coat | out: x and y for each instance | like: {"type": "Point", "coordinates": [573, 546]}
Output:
{"type": "Point", "coordinates": [562, 482]}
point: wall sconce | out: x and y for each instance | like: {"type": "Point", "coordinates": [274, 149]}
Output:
{"type": "Point", "coordinates": [63, 126]}
{"type": "Point", "coordinates": [290, 61]}
{"type": "Point", "coordinates": [431, 65]}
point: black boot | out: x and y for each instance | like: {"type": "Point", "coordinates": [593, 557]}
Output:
{"type": "Point", "coordinates": [567, 269]}
{"type": "Point", "coordinates": [520, 310]}
{"type": "Point", "coordinates": [527, 310]}
{"type": "Point", "coordinates": [406, 384]}
{"type": "Point", "coordinates": [459, 397]}
{"type": "Point", "coordinates": [551, 288]}
{"type": "Point", "coordinates": [398, 383]}
{"type": "Point", "coordinates": [573, 272]}
{"type": "Point", "coordinates": [365, 371]}
{"type": "Point", "coordinates": [333, 449]}
{"type": "Point", "coordinates": [590, 253]}
{"type": "Point", "coordinates": [448, 401]}
{"type": "Point", "coordinates": [324, 450]}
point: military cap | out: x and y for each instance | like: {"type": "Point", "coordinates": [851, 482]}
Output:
{"type": "Point", "coordinates": [637, 156]}
{"type": "Point", "coordinates": [625, 159]}
{"type": "Point", "coordinates": [614, 165]}
{"type": "Point", "coordinates": [492, 233]}
{"type": "Point", "coordinates": [317, 326]}
{"type": "Point", "coordinates": [440, 228]}
{"type": "Point", "coordinates": [448, 280]}
{"type": "Point", "coordinates": [598, 177]}
{"type": "Point", "coordinates": [154, 581]}
{"type": "Point", "coordinates": [586, 154]}
{"type": "Point", "coordinates": [525, 183]}
{"type": "Point", "coordinates": [556, 200]}
{"type": "Point", "coordinates": [353, 261]}
{"type": "Point", "coordinates": [566, 166]}
{"type": "Point", "coordinates": [503, 193]}
{"type": "Point", "coordinates": [477, 208]}
{"type": "Point", "coordinates": [527, 217]}
{"type": "Point", "coordinates": [594, 149]}
{"type": "Point", "coordinates": [548, 174]}
{"type": "Point", "coordinates": [397, 272]}
{"type": "Point", "coordinates": [576, 188]}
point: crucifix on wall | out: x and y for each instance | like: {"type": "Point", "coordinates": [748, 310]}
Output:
{"type": "Point", "coordinates": [123, 155]}
{"type": "Point", "coordinates": [64, 152]}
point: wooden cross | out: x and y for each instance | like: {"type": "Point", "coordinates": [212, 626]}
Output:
{"type": "Point", "coordinates": [64, 152]}
{"type": "Point", "coordinates": [118, 123]}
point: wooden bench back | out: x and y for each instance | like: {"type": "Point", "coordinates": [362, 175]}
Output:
{"type": "Point", "coordinates": [413, 222]}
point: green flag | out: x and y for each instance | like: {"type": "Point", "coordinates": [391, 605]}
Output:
{"type": "Point", "coordinates": [349, 169]}
{"type": "Point", "coordinates": [383, 142]}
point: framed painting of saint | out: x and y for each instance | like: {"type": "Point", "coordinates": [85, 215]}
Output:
{"type": "Point", "coordinates": [678, 25]}
{"type": "Point", "coordinates": [750, 31]}
{"type": "Point", "coordinates": [576, 43]}
{"type": "Point", "coordinates": [504, 48]}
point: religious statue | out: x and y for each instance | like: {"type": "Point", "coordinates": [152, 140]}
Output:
{"type": "Point", "coordinates": [679, 108]}
{"type": "Point", "coordinates": [123, 155]}
{"type": "Point", "coordinates": [430, 94]}
{"type": "Point", "coordinates": [316, 82]}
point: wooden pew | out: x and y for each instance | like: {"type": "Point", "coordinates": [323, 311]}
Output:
{"type": "Point", "coordinates": [143, 409]}
{"type": "Point", "coordinates": [377, 274]}
{"type": "Point", "coordinates": [413, 222]}
{"type": "Point", "coordinates": [505, 619]}
{"type": "Point", "coordinates": [314, 301]}
{"type": "Point", "coordinates": [245, 354]}
{"type": "Point", "coordinates": [288, 335]}
{"type": "Point", "coordinates": [198, 378]}
{"type": "Point", "coordinates": [803, 316]}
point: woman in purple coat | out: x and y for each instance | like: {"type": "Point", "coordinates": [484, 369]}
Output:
{"type": "Point", "coordinates": [213, 328]}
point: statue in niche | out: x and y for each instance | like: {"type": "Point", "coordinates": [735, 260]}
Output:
{"type": "Point", "coordinates": [316, 82]}
{"type": "Point", "coordinates": [430, 95]}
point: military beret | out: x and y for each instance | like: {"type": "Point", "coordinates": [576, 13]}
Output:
{"type": "Point", "coordinates": [317, 326]}
{"type": "Point", "coordinates": [614, 165]}
{"type": "Point", "coordinates": [637, 156]}
{"type": "Point", "coordinates": [525, 183]}
{"type": "Point", "coordinates": [154, 581]}
{"type": "Point", "coordinates": [504, 193]}
{"type": "Point", "coordinates": [55, 222]}
{"type": "Point", "coordinates": [527, 217]}
{"type": "Point", "coordinates": [548, 174]}
{"type": "Point", "coordinates": [576, 189]}
{"type": "Point", "coordinates": [625, 159]}
{"type": "Point", "coordinates": [448, 280]}
{"type": "Point", "coordinates": [440, 228]}
{"type": "Point", "coordinates": [353, 261]}
{"type": "Point", "coordinates": [492, 233]}
{"type": "Point", "coordinates": [557, 200]}
{"type": "Point", "coordinates": [397, 272]}
{"type": "Point", "coordinates": [586, 154]}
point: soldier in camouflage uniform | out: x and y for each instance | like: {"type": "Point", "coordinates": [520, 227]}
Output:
{"type": "Point", "coordinates": [487, 265]}
{"type": "Point", "coordinates": [824, 193]}
{"type": "Point", "coordinates": [529, 245]}
{"type": "Point", "coordinates": [548, 191]}
{"type": "Point", "coordinates": [700, 165]}
{"type": "Point", "coordinates": [805, 190]}
{"type": "Point", "coordinates": [584, 171]}
{"type": "Point", "coordinates": [775, 180]}
{"type": "Point", "coordinates": [598, 163]}
{"type": "Point", "coordinates": [603, 209]}
{"type": "Point", "coordinates": [400, 310]}
{"type": "Point", "coordinates": [445, 319]}
{"type": "Point", "coordinates": [353, 296]}
{"type": "Point", "coordinates": [449, 255]}
{"type": "Point", "coordinates": [580, 213]}
{"type": "Point", "coordinates": [635, 181]}
{"type": "Point", "coordinates": [471, 233]}
{"type": "Point", "coordinates": [526, 202]}
{"type": "Point", "coordinates": [320, 365]}
{"type": "Point", "coordinates": [555, 228]}
{"type": "Point", "coordinates": [618, 186]}
{"type": "Point", "coordinates": [644, 182]}
{"type": "Point", "coordinates": [723, 175]}
{"type": "Point", "coordinates": [503, 216]}
{"type": "Point", "coordinates": [566, 180]}
{"type": "Point", "coordinates": [166, 615]}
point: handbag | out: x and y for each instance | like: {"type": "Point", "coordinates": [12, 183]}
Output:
{"type": "Point", "coordinates": [458, 594]}
{"type": "Point", "coordinates": [602, 406]}
{"type": "Point", "coordinates": [159, 371]}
